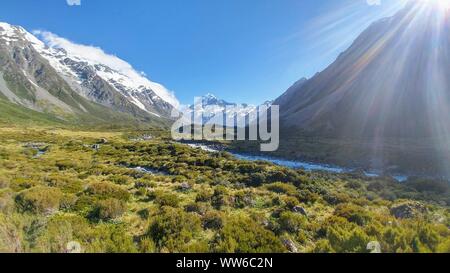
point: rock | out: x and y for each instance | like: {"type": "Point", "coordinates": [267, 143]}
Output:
{"type": "Point", "coordinates": [73, 247]}
{"type": "Point", "coordinates": [185, 186]}
{"type": "Point", "coordinates": [300, 210]}
{"type": "Point", "coordinates": [96, 146]}
{"type": "Point", "coordinates": [147, 137]}
{"type": "Point", "coordinates": [248, 201]}
{"type": "Point", "coordinates": [35, 145]}
{"type": "Point", "coordinates": [374, 247]}
{"type": "Point", "coordinates": [290, 245]}
{"type": "Point", "coordinates": [102, 141]}
{"type": "Point", "coordinates": [408, 210]}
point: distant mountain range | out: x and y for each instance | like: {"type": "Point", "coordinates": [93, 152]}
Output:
{"type": "Point", "coordinates": [219, 111]}
{"type": "Point", "coordinates": [72, 84]}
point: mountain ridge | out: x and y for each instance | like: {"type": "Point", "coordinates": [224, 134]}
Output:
{"type": "Point", "coordinates": [52, 79]}
{"type": "Point", "coordinates": [383, 103]}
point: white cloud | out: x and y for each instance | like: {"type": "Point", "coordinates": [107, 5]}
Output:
{"type": "Point", "coordinates": [73, 2]}
{"type": "Point", "coordinates": [95, 55]}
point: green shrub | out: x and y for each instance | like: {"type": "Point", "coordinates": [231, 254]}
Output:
{"type": "Point", "coordinates": [105, 190]}
{"type": "Point", "coordinates": [39, 200]}
{"type": "Point", "coordinates": [165, 199]}
{"type": "Point", "coordinates": [291, 222]}
{"type": "Point", "coordinates": [68, 201]}
{"type": "Point", "coordinates": [120, 179]}
{"type": "Point", "coordinates": [20, 183]}
{"type": "Point", "coordinates": [352, 213]}
{"type": "Point", "coordinates": [109, 209]}
{"type": "Point", "coordinates": [290, 202]}
{"type": "Point", "coordinates": [243, 199]}
{"type": "Point", "coordinates": [10, 236]}
{"type": "Point", "coordinates": [173, 229]}
{"type": "Point", "coordinates": [142, 183]}
{"type": "Point", "coordinates": [59, 231]}
{"type": "Point", "coordinates": [336, 198]}
{"type": "Point", "coordinates": [306, 196]}
{"type": "Point", "coordinates": [64, 182]}
{"type": "Point", "coordinates": [66, 164]}
{"type": "Point", "coordinates": [199, 208]}
{"type": "Point", "coordinates": [429, 185]}
{"type": "Point", "coordinates": [111, 238]}
{"type": "Point", "coordinates": [221, 197]}
{"type": "Point", "coordinates": [347, 241]}
{"type": "Point", "coordinates": [280, 187]}
{"type": "Point", "coordinates": [203, 196]}
{"type": "Point", "coordinates": [212, 220]}
{"type": "Point", "coordinates": [243, 235]}
{"type": "Point", "coordinates": [444, 247]}
{"type": "Point", "coordinates": [146, 245]}
{"type": "Point", "coordinates": [6, 202]}
{"type": "Point", "coordinates": [355, 184]}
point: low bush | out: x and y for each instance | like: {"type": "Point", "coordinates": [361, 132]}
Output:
{"type": "Point", "coordinates": [40, 200]}
{"type": "Point", "coordinates": [105, 190]}
{"type": "Point", "coordinates": [243, 235]}
{"type": "Point", "coordinates": [280, 187]}
{"type": "Point", "coordinates": [352, 213]}
{"type": "Point", "coordinates": [108, 209]}
{"type": "Point", "coordinates": [165, 199]}
{"type": "Point", "coordinates": [173, 229]}
{"type": "Point", "coordinates": [291, 222]}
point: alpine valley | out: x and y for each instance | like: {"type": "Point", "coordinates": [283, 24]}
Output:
{"type": "Point", "coordinates": [88, 163]}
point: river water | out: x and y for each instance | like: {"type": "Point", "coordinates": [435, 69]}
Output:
{"type": "Point", "coordinates": [294, 164]}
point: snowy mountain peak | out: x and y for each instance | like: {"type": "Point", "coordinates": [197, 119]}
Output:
{"type": "Point", "coordinates": [215, 110]}
{"type": "Point", "coordinates": [209, 96]}
{"type": "Point", "coordinates": [91, 72]}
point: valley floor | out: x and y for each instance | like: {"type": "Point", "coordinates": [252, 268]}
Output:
{"type": "Point", "coordinates": [68, 191]}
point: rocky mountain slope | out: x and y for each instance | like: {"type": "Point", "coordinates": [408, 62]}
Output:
{"type": "Point", "coordinates": [384, 103]}
{"type": "Point", "coordinates": [69, 83]}
{"type": "Point", "coordinates": [394, 81]}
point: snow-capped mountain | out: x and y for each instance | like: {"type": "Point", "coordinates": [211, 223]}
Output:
{"type": "Point", "coordinates": [94, 75]}
{"type": "Point", "coordinates": [219, 111]}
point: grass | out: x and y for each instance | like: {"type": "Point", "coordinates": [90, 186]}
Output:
{"type": "Point", "coordinates": [225, 197]}
{"type": "Point", "coordinates": [14, 114]}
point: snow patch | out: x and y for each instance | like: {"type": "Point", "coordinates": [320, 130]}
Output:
{"type": "Point", "coordinates": [121, 71]}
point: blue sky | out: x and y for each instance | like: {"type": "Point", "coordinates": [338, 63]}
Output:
{"type": "Point", "coordinates": [241, 50]}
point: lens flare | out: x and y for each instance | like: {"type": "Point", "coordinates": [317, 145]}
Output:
{"type": "Point", "coordinates": [441, 4]}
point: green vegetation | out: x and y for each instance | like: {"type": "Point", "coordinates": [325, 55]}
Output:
{"type": "Point", "coordinates": [193, 201]}
{"type": "Point", "coordinates": [12, 113]}
{"type": "Point", "coordinates": [415, 156]}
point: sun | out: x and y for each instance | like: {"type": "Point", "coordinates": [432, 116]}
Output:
{"type": "Point", "coordinates": [442, 4]}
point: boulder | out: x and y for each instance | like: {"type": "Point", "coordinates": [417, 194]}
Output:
{"type": "Point", "coordinates": [408, 210]}
{"type": "Point", "coordinates": [102, 141]}
{"type": "Point", "coordinates": [289, 244]}
{"type": "Point", "coordinates": [300, 210]}
{"type": "Point", "coordinates": [185, 186]}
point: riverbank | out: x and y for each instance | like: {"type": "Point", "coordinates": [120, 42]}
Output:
{"type": "Point", "coordinates": [293, 164]}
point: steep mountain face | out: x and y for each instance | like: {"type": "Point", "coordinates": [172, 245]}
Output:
{"type": "Point", "coordinates": [53, 80]}
{"type": "Point", "coordinates": [291, 92]}
{"type": "Point", "coordinates": [384, 103]}
{"type": "Point", "coordinates": [394, 81]}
